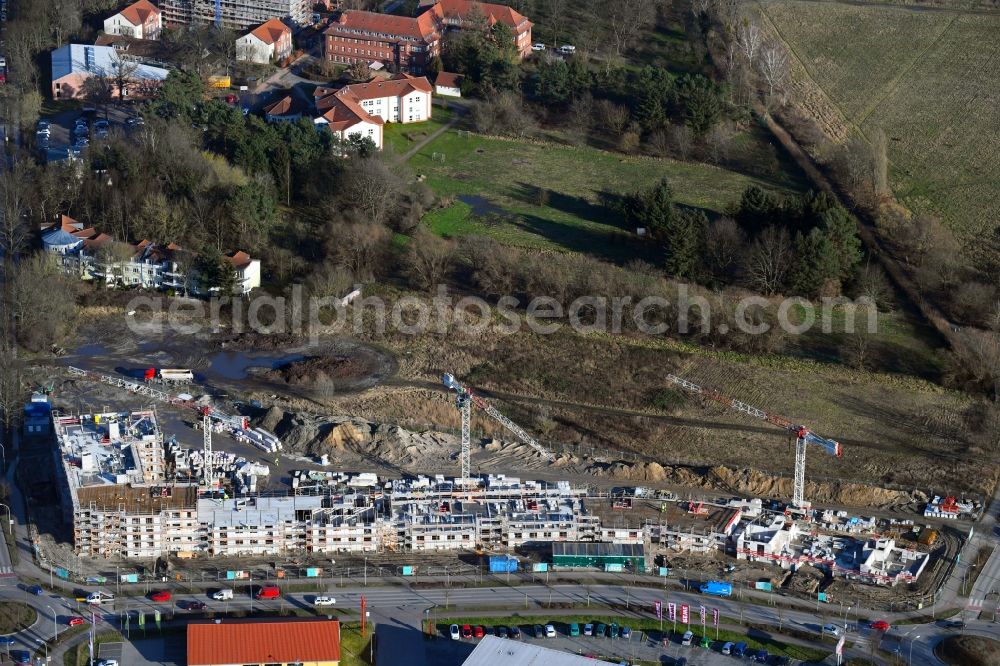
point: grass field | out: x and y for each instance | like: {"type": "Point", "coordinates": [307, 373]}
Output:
{"type": "Point", "coordinates": [928, 79]}
{"type": "Point", "coordinates": [400, 138]}
{"type": "Point", "coordinates": [494, 183]}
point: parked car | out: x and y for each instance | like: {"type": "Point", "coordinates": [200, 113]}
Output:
{"type": "Point", "coordinates": [761, 656]}
{"type": "Point", "coordinates": [613, 630]}
{"type": "Point", "coordinates": [466, 631]}
{"type": "Point", "coordinates": [455, 633]}
{"type": "Point", "coordinates": [515, 632]}
{"type": "Point", "coordinates": [75, 621]}
{"type": "Point", "coordinates": [574, 629]}
{"type": "Point", "coordinates": [550, 631]}
{"type": "Point", "coordinates": [324, 601]}
{"type": "Point", "coordinates": [500, 631]}
{"type": "Point", "coordinates": [538, 631]}
{"type": "Point", "coordinates": [43, 125]}
{"type": "Point", "coordinates": [601, 629]}
{"type": "Point", "coordinates": [538, 47]}
{"type": "Point", "coordinates": [160, 595]}
{"type": "Point", "coordinates": [626, 633]}
{"type": "Point", "coordinates": [20, 656]}
{"type": "Point", "coordinates": [269, 592]}
{"type": "Point", "coordinates": [831, 630]}
{"type": "Point", "coordinates": [43, 131]}
{"type": "Point", "coordinates": [727, 648]}
{"type": "Point", "coordinates": [687, 638]}
{"type": "Point", "coordinates": [567, 49]}
{"type": "Point", "coordinates": [782, 661]}
{"type": "Point", "coordinates": [740, 649]}
{"type": "Point", "coordinates": [705, 642]}
{"type": "Point", "coordinates": [108, 662]}
{"type": "Point", "coordinates": [588, 629]}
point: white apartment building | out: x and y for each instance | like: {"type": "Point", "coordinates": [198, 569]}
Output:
{"type": "Point", "coordinates": [270, 41]}
{"type": "Point", "coordinates": [236, 14]}
{"type": "Point", "coordinates": [141, 20]}
{"type": "Point", "coordinates": [363, 109]}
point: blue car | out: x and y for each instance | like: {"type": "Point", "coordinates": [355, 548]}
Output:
{"type": "Point", "coordinates": [761, 657]}
{"type": "Point", "coordinates": [6, 640]}
{"type": "Point", "coordinates": [20, 656]}
{"type": "Point", "coordinates": [36, 590]}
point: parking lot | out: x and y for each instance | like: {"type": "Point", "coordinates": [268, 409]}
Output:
{"type": "Point", "coordinates": [638, 646]}
{"type": "Point", "coordinates": [62, 127]}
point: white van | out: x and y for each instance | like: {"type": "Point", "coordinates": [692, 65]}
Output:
{"type": "Point", "coordinates": [99, 597]}
{"type": "Point", "coordinates": [687, 638]}
{"type": "Point", "coordinates": [223, 595]}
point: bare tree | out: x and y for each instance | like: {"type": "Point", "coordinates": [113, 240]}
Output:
{"type": "Point", "coordinates": [700, 7]}
{"type": "Point", "coordinates": [769, 260]}
{"type": "Point", "coordinates": [773, 66]}
{"type": "Point", "coordinates": [428, 259]}
{"type": "Point", "coordinates": [362, 248]}
{"type": "Point", "coordinates": [613, 116]}
{"type": "Point", "coordinates": [625, 19]}
{"type": "Point", "coordinates": [724, 243]}
{"type": "Point", "coordinates": [14, 185]}
{"type": "Point", "coordinates": [556, 9]}
{"type": "Point", "coordinates": [373, 189]}
{"type": "Point", "coordinates": [123, 71]}
{"type": "Point", "coordinates": [732, 57]}
{"type": "Point", "coordinates": [359, 71]}
{"type": "Point", "coordinates": [750, 38]}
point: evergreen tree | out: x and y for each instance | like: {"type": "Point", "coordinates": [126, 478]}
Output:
{"type": "Point", "coordinates": [838, 225]}
{"type": "Point", "coordinates": [655, 209]}
{"type": "Point", "coordinates": [653, 92]}
{"type": "Point", "coordinates": [700, 101]}
{"type": "Point", "coordinates": [758, 209]}
{"type": "Point", "coordinates": [816, 266]}
{"type": "Point", "coordinates": [684, 241]}
{"type": "Point", "coordinates": [550, 83]}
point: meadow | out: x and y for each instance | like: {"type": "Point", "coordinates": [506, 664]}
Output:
{"type": "Point", "coordinates": [928, 79]}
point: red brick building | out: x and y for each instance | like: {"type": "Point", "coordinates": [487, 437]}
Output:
{"type": "Point", "coordinates": [410, 43]}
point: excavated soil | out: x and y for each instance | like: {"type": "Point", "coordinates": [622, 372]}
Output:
{"type": "Point", "coordinates": [320, 371]}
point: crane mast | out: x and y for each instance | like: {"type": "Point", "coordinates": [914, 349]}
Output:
{"type": "Point", "coordinates": [464, 400]}
{"type": "Point", "coordinates": [803, 435]}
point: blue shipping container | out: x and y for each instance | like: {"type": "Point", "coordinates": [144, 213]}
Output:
{"type": "Point", "coordinates": [502, 564]}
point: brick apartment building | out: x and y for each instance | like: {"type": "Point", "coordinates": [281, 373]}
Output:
{"type": "Point", "coordinates": [410, 43]}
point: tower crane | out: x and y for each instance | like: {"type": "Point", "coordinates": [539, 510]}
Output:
{"type": "Point", "coordinates": [464, 400]}
{"type": "Point", "coordinates": [803, 435]}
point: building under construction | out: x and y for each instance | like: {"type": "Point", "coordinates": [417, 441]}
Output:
{"type": "Point", "coordinates": [235, 14]}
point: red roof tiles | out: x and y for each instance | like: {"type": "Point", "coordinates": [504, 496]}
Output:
{"type": "Point", "coordinates": [421, 27]}
{"type": "Point", "coordinates": [270, 31]}
{"type": "Point", "coordinates": [263, 641]}
{"type": "Point", "coordinates": [138, 12]}
{"type": "Point", "coordinates": [448, 80]}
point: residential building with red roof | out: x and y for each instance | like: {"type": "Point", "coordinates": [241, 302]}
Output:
{"type": "Point", "coordinates": [362, 109]}
{"type": "Point", "coordinates": [410, 43]}
{"type": "Point", "coordinates": [141, 19]}
{"type": "Point", "coordinates": [448, 84]}
{"type": "Point", "coordinates": [270, 41]}
{"type": "Point", "coordinates": [313, 641]}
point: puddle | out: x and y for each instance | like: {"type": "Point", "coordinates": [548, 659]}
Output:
{"type": "Point", "coordinates": [482, 205]}
{"type": "Point", "coordinates": [234, 365]}
{"type": "Point", "coordinates": [91, 349]}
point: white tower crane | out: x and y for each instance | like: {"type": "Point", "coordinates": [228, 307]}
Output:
{"type": "Point", "coordinates": [464, 401]}
{"type": "Point", "coordinates": [802, 434]}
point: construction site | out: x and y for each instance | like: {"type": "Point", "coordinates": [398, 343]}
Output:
{"type": "Point", "coordinates": [207, 474]}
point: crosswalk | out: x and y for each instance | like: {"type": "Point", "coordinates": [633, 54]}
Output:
{"type": "Point", "coordinates": [7, 576]}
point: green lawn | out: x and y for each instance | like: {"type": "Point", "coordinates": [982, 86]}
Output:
{"type": "Point", "coordinates": [399, 138]}
{"type": "Point", "coordinates": [495, 185]}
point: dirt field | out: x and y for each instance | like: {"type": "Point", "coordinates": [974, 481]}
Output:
{"type": "Point", "coordinates": [969, 651]}
{"type": "Point", "coordinates": [927, 78]}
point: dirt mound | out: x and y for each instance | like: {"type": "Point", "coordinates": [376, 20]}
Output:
{"type": "Point", "coordinates": [320, 370]}
{"type": "Point", "coordinates": [752, 482]}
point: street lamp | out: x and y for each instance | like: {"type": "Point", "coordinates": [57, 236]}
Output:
{"type": "Point", "coordinates": [55, 624]}
{"type": "Point", "coordinates": [46, 650]}
{"type": "Point", "coordinates": [10, 521]}
{"type": "Point", "coordinates": [910, 660]}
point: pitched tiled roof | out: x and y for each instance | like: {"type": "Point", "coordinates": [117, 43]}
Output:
{"type": "Point", "coordinates": [448, 80]}
{"type": "Point", "coordinates": [263, 641]}
{"type": "Point", "coordinates": [138, 12]}
{"type": "Point", "coordinates": [421, 27]}
{"type": "Point", "coordinates": [284, 106]}
{"type": "Point", "coordinates": [460, 9]}
{"type": "Point", "coordinates": [238, 259]}
{"type": "Point", "coordinates": [270, 31]}
{"type": "Point", "coordinates": [400, 84]}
